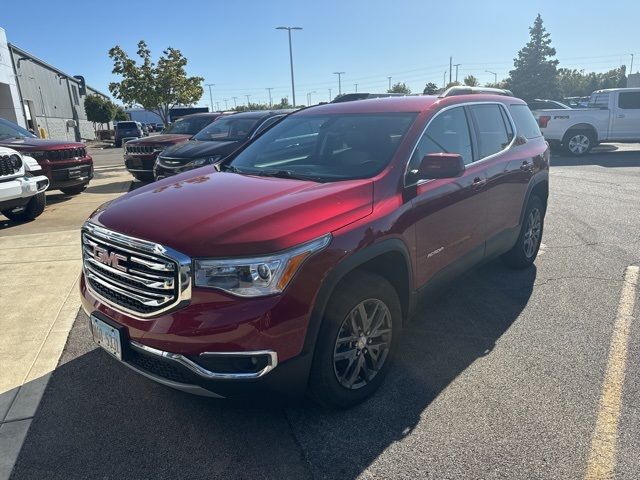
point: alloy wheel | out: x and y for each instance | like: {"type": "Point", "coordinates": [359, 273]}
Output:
{"type": "Point", "coordinates": [363, 343]}
{"type": "Point", "coordinates": [579, 144]}
{"type": "Point", "coordinates": [532, 233]}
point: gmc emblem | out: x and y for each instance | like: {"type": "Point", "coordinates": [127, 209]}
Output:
{"type": "Point", "coordinates": [112, 259]}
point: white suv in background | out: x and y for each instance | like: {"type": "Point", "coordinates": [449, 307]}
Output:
{"type": "Point", "coordinates": [22, 186]}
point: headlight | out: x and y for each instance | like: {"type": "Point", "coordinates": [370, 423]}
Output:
{"type": "Point", "coordinates": [38, 155]}
{"type": "Point", "coordinates": [16, 161]}
{"type": "Point", "coordinates": [259, 276]}
{"type": "Point", "coordinates": [198, 162]}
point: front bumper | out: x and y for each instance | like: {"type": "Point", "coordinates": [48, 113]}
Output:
{"type": "Point", "coordinates": [140, 163]}
{"type": "Point", "coordinates": [63, 174]}
{"type": "Point", "coordinates": [17, 192]}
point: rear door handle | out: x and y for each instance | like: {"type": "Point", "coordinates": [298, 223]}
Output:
{"type": "Point", "coordinates": [621, 116]}
{"type": "Point", "coordinates": [526, 166]}
{"type": "Point", "coordinates": [478, 183]}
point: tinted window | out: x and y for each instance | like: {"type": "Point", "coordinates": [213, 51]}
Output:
{"type": "Point", "coordinates": [448, 132]}
{"type": "Point", "coordinates": [11, 130]}
{"type": "Point", "coordinates": [228, 128]}
{"type": "Point", "coordinates": [490, 126]}
{"type": "Point", "coordinates": [188, 126]}
{"type": "Point", "coordinates": [267, 123]}
{"type": "Point", "coordinates": [326, 147]}
{"type": "Point", "coordinates": [126, 125]}
{"type": "Point", "coordinates": [525, 122]}
{"type": "Point", "coordinates": [629, 100]}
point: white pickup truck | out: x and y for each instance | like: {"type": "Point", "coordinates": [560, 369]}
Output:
{"type": "Point", "coordinates": [22, 186]}
{"type": "Point", "coordinates": [613, 115]}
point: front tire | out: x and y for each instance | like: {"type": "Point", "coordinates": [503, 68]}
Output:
{"type": "Point", "coordinates": [30, 211]}
{"type": "Point", "coordinates": [524, 252]}
{"type": "Point", "coordinates": [357, 340]}
{"type": "Point", "coordinates": [578, 142]}
{"type": "Point", "coordinates": [74, 190]}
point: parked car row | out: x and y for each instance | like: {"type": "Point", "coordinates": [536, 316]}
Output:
{"type": "Point", "coordinates": [292, 264]}
{"type": "Point", "coordinates": [194, 141]}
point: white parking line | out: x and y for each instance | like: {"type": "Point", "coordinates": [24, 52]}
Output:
{"type": "Point", "coordinates": [602, 457]}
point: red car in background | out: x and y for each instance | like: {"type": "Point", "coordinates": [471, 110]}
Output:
{"type": "Point", "coordinates": [140, 155]}
{"type": "Point", "coordinates": [294, 263]}
{"type": "Point", "coordinates": [66, 164]}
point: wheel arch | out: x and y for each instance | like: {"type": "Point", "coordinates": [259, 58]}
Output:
{"type": "Point", "coordinates": [540, 188]}
{"type": "Point", "coordinates": [581, 127]}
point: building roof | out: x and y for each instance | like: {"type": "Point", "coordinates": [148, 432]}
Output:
{"type": "Point", "coordinates": [24, 53]}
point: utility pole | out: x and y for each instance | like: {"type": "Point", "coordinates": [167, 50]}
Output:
{"type": "Point", "coordinates": [339, 81]}
{"type": "Point", "coordinates": [293, 88]}
{"type": "Point", "coordinates": [210, 95]}
{"type": "Point", "coordinates": [235, 102]}
{"type": "Point", "coordinates": [330, 98]}
{"type": "Point", "coordinates": [631, 69]}
{"type": "Point", "coordinates": [309, 98]}
{"type": "Point", "coordinates": [450, 67]}
{"type": "Point", "coordinates": [444, 79]}
{"type": "Point", "coordinates": [495, 76]}
{"type": "Point", "coordinates": [389, 78]}
{"type": "Point", "coordinates": [269, 90]}
{"type": "Point", "coordinates": [226, 105]}
{"type": "Point", "coordinates": [457, 65]}
{"type": "Point", "coordinates": [356, 85]}
{"type": "Point", "coordinates": [247, 100]}
{"type": "Point", "coordinates": [217, 106]}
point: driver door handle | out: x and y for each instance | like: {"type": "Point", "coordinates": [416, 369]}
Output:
{"type": "Point", "coordinates": [478, 183]}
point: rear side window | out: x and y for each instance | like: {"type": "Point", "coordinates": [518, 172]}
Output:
{"type": "Point", "coordinates": [629, 100]}
{"type": "Point", "coordinates": [525, 122]}
{"type": "Point", "coordinates": [126, 125]}
{"type": "Point", "coordinates": [448, 132]}
{"type": "Point", "coordinates": [599, 100]}
{"type": "Point", "coordinates": [493, 135]}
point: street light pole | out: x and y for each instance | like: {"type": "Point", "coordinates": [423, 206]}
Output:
{"type": "Point", "coordinates": [356, 85]}
{"type": "Point", "coordinates": [309, 98]}
{"type": "Point", "coordinates": [631, 69]}
{"type": "Point", "coordinates": [217, 106]}
{"type": "Point", "coordinates": [389, 78]}
{"type": "Point", "coordinates": [293, 88]}
{"type": "Point", "coordinates": [269, 90]}
{"type": "Point", "coordinates": [339, 81]}
{"type": "Point", "coordinates": [210, 95]}
{"type": "Point", "coordinates": [444, 79]}
{"type": "Point", "coordinates": [235, 102]}
{"type": "Point", "coordinates": [247, 100]}
{"type": "Point", "coordinates": [226, 105]}
{"type": "Point", "coordinates": [495, 76]}
{"type": "Point", "coordinates": [330, 95]}
{"type": "Point", "coordinates": [457, 65]}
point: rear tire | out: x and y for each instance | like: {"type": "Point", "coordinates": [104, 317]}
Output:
{"type": "Point", "coordinates": [524, 252]}
{"type": "Point", "coordinates": [578, 142]}
{"type": "Point", "coordinates": [357, 340]}
{"type": "Point", "coordinates": [30, 211]}
{"type": "Point", "coordinates": [74, 190]}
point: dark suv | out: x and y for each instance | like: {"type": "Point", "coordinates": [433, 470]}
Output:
{"type": "Point", "coordinates": [140, 155]}
{"type": "Point", "coordinates": [67, 165]}
{"type": "Point", "coordinates": [127, 129]}
{"type": "Point", "coordinates": [295, 266]}
{"type": "Point", "coordinates": [216, 141]}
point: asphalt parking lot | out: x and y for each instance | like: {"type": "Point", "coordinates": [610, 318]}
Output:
{"type": "Point", "coordinates": [499, 376]}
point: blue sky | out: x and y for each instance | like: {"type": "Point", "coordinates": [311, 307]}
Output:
{"type": "Point", "coordinates": [234, 44]}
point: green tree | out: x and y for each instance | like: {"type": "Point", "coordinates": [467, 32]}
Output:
{"type": "Point", "coordinates": [120, 115]}
{"type": "Point", "coordinates": [452, 84]}
{"type": "Point", "coordinates": [430, 89]}
{"type": "Point", "coordinates": [99, 109]}
{"type": "Point", "coordinates": [158, 87]}
{"type": "Point", "coordinates": [471, 81]}
{"type": "Point", "coordinates": [535, 72]}
{"type": "Point", "coordinates": [399, 88]}
{"type": "Point", "coordinates": [574, 83]}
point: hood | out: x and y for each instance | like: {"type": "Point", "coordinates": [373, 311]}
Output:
{"type": "Point", "coordinates": [196, 148]}
{"type": "Point", "coordinates": [204, 213]}
{"type": "Point", "coordinates": [167, 139]}
{"type": "Point", "coordinates": [39, 144]}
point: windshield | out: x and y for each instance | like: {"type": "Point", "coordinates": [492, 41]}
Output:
{"type": "Point", "coordinates": [228, 129]}
{"type": "Point", "coordinates": [188, 126]}
{"type": "Point", "coordinates": [326, 147]}
{"type": "Point", "coordinates": [11, 130]}
{"type": "Point", "coordinates": [126, 125]}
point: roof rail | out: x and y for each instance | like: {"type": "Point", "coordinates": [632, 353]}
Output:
{"type": "Point", "coordinates": [462, 90]}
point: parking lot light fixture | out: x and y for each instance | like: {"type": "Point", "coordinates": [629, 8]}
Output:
{"type": "Point", "coordinates": [495, 76]}
{"type": "Point", "coordinates": [339, 81]}
{"type": "Point", "coordinates": [293, 88]}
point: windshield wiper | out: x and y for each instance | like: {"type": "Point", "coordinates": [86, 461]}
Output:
{"type": "Point", "coordinates": [286, 174]}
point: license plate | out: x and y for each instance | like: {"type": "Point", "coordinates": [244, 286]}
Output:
{"type": "Point", "coordinates": [107, 337]}
{"type": "Point", "coordinates": [75, 172]}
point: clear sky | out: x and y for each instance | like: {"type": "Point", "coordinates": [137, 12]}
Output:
{"type": "Point", "coordinates": [234, 44]}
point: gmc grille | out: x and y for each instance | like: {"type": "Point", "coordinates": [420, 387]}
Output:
{"type": "Point", "coordinates": [131, 275]}
{"type": "Point", "coordinates": [66, 153]}
{"type": "Point", "coordinates": [140, 149]}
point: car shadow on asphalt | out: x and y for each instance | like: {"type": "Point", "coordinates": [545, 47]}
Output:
{"type": "Point", "coordinates": [603, 158]}
{"type": "Point", "coordinates": [99, 419]}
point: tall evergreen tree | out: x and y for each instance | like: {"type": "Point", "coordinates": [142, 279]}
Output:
{"type": "Point", "coordinates": [535, 73]}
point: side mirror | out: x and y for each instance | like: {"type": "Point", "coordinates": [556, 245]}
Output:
{"type": "Point", "coordinates": [441, 165]}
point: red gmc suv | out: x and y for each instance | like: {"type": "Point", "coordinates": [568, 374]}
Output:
{"type": "Point", "coordinates": [293, 265]}
{"type": "Point", "coordinates": [67, 165]}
